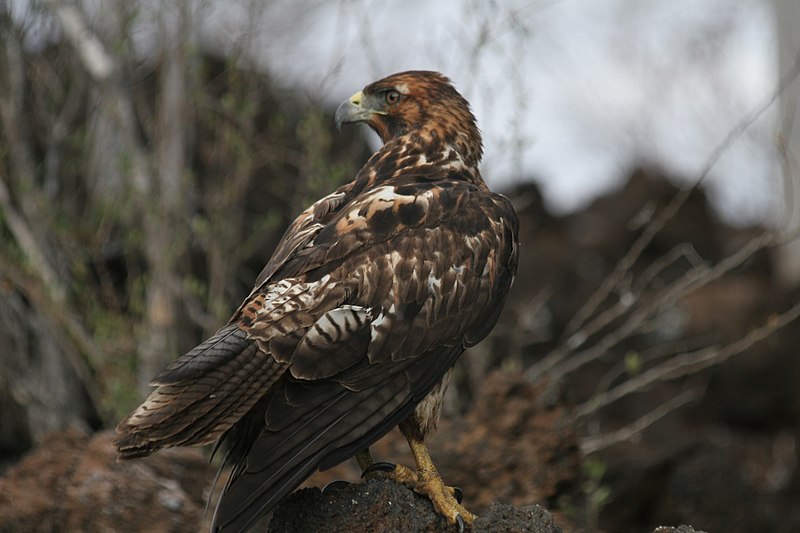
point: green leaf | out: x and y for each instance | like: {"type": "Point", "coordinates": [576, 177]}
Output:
{"type": "Point", "coordinates": [633, 363]}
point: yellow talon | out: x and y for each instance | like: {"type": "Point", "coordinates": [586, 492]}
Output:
{"type": "Point", "coordinates": [426, 480]}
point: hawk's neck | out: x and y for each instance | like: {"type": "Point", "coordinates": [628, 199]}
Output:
{"type": "Point", "coordinates": [410, 155]}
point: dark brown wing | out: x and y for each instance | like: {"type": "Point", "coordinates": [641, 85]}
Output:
{"type": "Point", "coordinates": [204, 393]}
{"type": "Point", "coordinates": [199, 397]}
{"type": "Point", "coordinates": [402, 280]}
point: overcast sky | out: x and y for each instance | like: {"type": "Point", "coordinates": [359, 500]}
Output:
{"type": "Point", "coordinates": [569, 93]}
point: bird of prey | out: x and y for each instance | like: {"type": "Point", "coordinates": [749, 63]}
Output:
{"type": "Point", "coordinates": [355, 323]}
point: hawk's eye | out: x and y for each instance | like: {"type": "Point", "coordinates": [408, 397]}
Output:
{"type": "Point", "coordinates": [392, 97]}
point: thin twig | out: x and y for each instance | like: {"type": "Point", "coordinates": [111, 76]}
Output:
{"type": "Point", "coordinates": [648, 356]}
{"type": "Point", "coordinates": [627, 303]}
{"type": "Point", "coordinates": [100, 65]}
{"type": "Point", "coordinates": [666, 214]}
{"type": "Point", "coordinates": [28, 243]}
{"type": "Point", "coordinates": [91, 51]}
{"type": "Point", "coordinates": [594, 444]}
{"type": "Point", "coordinates": [651, 306]}
{"type": "Point", "coordinates": [45, 305]}
{"type": "Point", "coordinates": [688, 363]}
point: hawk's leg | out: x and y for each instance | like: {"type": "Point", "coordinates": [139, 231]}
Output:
{"type": "Point", "coordinates": [365, 461]}
{"type": "Point", "coordinates": [426, 480]}
{"type": "Point", "coordinates": [364, 458]}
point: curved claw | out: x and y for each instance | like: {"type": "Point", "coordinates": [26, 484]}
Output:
{"type": "Point", "coordinates": [335, 485]}
{"type": "Point", "coordinates": [380, 466]}
{"type": "Point", "coordinates": [460, 523]}
{"type": "Point", "coordinates": [458, 494]}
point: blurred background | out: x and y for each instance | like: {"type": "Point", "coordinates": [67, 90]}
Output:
{"type": "Point", "coordinates": [152, 154]}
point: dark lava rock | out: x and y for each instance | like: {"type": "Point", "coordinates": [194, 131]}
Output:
{"type": "Point", "coordinates": [381, 505]}
{"type": "Point", "coordinates": [679, 529]}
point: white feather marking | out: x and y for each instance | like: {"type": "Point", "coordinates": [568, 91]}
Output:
{"type": "Point", "coordinates": [291, 295]}
{"type": "Point", "coordinates": [383, 194]}
{"type": "Point", "coordinates": [395, 258]}
{"type": "Point", "coordinates": [339, 322]}
{"type": "Point", "coordinates": [378, 322]}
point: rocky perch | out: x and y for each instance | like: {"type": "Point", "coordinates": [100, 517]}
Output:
{"type": "Point", "coordinates": [380, 505]}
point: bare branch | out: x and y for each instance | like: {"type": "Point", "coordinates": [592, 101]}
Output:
{"type": "Point", "coordinates": [100, 65]}
{"type": "Point", "coordinates": [648, 356]}
{"type": "Point", "coordinates": [667, 213]}
{"type": "Point", "coordinates": [650, 306]}
{"type": "Point", "coordinates": [688, 363]}
{"type": "Point", "coordinates": [595, 444]}
{"type": "Point", "coordinates": [627, 303]}
{"type": "Point", "coordinates": [96, 60]}
{"type": "Point", "coordinates": [29, 245]}
{"type": "Point", "coordinates": [165, 231]}
{"type": "Point", "coordinates": [29, 238]}
{"type": "Point", "coordinates": [47, 307]}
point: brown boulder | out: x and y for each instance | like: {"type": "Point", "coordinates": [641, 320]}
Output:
{"type": "Point", "coordinates": [71, 482]}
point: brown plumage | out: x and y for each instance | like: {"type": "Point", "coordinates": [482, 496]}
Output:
{"type": "Point", "coordinates": [355, 322]}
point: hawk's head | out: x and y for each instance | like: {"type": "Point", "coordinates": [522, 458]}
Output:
{"type": "Point", "coordinates": [420, 105]}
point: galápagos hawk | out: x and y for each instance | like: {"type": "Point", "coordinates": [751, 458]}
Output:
{"type": "Point", "coordinates": [355, 323]}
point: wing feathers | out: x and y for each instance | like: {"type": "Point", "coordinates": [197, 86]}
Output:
{"type": "Point", "coordinates": [213, 353]}
{"type": "Point", "coordinates": [278, 459]}
{"type": "Point", "coordinates": [336, 341]}
{"type": "Point", "coordinates": [327, 434]}
{"type": "Point", "coordinates": [245, 515]}
{"type": "Point", "coordinates": [196, 403]}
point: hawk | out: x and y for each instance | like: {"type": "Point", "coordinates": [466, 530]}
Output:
{"type": "Point", "coordinates": [355, 323]}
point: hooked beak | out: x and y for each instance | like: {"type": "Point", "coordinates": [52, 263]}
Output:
{"type": "Point", "coordinates": [354, 109]}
